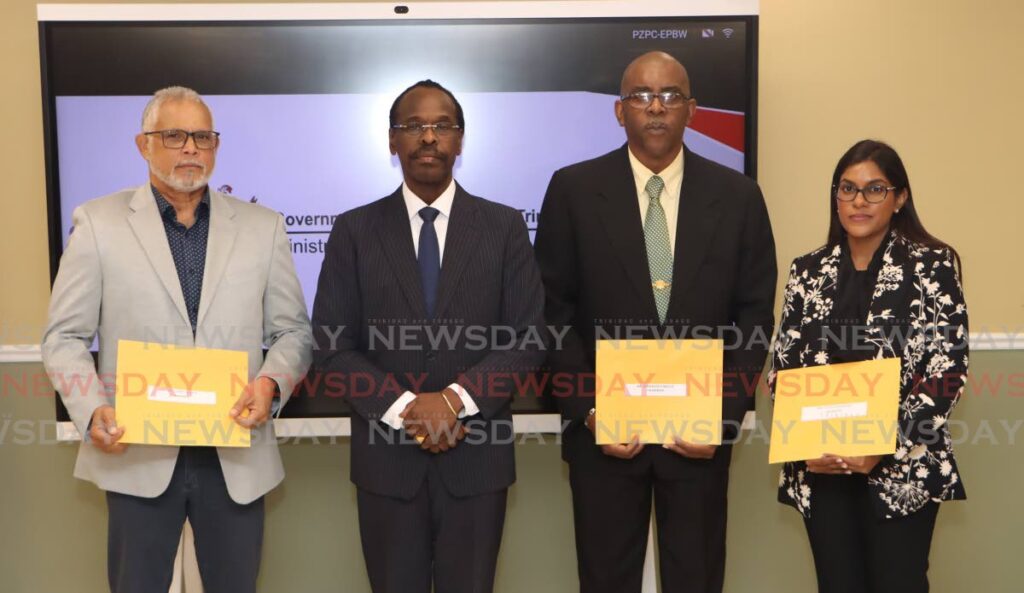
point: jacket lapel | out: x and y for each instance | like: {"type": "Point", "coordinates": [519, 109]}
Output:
{"type": "Point", "coordinates": [396, 242]}
{"type": "Point", "coordinates": [459, 245]}
{"type": "Point", "coordinates": [149, 231]}
{"type": "Point", "coordinates": [885, 310]}
{"type": "Point", "coordinates": [819, 298]}
{"type": "Point", "coordinates": [696, 224]}
{"type": "Point", "coordinates": [219, 243]}
{"type": "Point", "coordinates": [619, 212]}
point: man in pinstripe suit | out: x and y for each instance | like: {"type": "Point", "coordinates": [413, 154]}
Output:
{"type": "Point", "coordinates": [408, 285]}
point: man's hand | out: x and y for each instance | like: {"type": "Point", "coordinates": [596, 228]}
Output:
{"type": "Point", "coordinates": [691, 450]}
{"type": "Point", "coordinates": [104, 431]}
{"type": "Point", "coordinates": [252, 409]}
{"type": "Point", "coordinates": [433, 421]}
{"type": "Point", "coordinates": [619, 450]}
{"type": "Point", "coordinates": [834, 464]}
{"type": "Point", "coordinates": [446, 440]}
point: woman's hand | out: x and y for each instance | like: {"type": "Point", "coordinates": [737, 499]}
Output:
{"type": "Point", "coordinates": [863, 464]}
{"type": "Point", "coordinates": [828, 464]}
{"type": "Point", "coordinates": [835, 464]}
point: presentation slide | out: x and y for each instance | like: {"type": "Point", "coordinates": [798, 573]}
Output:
{"type": "Point", "coordinates": [310, 157]}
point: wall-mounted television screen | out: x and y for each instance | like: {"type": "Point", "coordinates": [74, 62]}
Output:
{"type": "Point", "coordinates": [301, 99]}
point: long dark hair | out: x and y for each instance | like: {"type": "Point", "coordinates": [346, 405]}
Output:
{"type": "Point", "coordinates": [905, 222]}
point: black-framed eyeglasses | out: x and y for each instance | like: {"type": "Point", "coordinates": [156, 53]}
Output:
{"type": "Point", "coordinates": [204, 139]}
{"type": "Point", "coordinates": [415, 130]}
{"type": "Point", "coordinates": [874, 193]}
{"type": "Point", "coordinates": [643, 99]}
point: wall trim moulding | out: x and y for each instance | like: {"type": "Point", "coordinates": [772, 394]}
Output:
{"type": "Point", "coordinates": [984, 341]}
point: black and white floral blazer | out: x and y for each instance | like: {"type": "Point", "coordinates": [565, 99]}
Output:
{"type": "Point", "coordinates": [917, 313]}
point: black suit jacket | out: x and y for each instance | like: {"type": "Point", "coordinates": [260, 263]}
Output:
{"type": "Point", "coordinates": [373, 341]}
{"type": "Point", "coordinates": [593, 259]}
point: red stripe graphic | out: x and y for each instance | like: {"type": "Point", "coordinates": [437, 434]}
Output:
{"type": "Point", "coordinates": [726, 128]}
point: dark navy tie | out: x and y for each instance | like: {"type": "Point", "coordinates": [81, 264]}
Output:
{"type": "Point", "coordinates": [429, 258]}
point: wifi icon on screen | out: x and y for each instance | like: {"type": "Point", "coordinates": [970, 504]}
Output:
{"type": "Point", "coordinates": [728, 32]}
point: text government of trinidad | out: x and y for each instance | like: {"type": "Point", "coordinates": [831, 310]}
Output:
{"type": "Point", "coordinates": [307, 232]}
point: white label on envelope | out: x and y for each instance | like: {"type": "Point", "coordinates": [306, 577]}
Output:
{"type": "Point", "coordinates": [181, 396]}
{"type": "Point", "coordinates": [834, 411]}
{"type": "Point", "coordinates": [656, 389]}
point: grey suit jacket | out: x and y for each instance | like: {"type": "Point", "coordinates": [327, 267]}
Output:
{"type": "Point", "coordinates": [117, 278]}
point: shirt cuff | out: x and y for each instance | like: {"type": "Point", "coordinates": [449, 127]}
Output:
{"type": "Point", "coordinates": [275, 404]}
{"type": "Point", "coordinates": [391, 416]}
{"type": "Point", "coordinates": [469, 407]}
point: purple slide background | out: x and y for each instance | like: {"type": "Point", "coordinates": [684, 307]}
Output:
{"type": "Point", "coordinates": [325, 154]}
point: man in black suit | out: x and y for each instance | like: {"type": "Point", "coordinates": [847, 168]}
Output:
{"type": "Point", "coordinates": [653, 239]}
{"type": "Point", "coordinates": [412, 289]}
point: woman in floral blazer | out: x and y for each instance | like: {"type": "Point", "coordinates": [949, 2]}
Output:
{"type": "Point", "coordinates": [882, 287]}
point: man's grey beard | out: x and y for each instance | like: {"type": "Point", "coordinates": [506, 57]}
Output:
{"type": "Point", "coordinates": [181, 185]}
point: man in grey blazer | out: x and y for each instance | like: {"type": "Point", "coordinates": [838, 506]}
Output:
{"type": "Point", "coordinates": [176, 263]}
{"type": "Point", "coordinates": [423, 319]}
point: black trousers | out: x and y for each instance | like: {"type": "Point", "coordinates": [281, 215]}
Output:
{"type": "Point", "coordinates": [143, 533]}
{"type": "Point", "coordinates": [612, 515]}
{"type": "Point", "coordinates": [857, 552]}
{"type": "Point", "coordinates": [435, 538]}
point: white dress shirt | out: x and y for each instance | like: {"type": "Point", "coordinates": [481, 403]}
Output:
{"type": "Point", "coordinates": [413, 205]}
{"type": "Point", "coordinates": [672, 175]}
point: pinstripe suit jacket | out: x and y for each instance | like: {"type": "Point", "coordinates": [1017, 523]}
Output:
{"type": "Point", "coordinates": [373, 341]}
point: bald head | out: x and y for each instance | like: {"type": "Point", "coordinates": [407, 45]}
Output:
{"type": "Point", "coordinates": [654, 64]}
{"type": "Point", "coordinates": [655, 108]}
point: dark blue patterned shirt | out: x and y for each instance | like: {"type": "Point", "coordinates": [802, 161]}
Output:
{"type": "Point", "coordinates": [188, 247]}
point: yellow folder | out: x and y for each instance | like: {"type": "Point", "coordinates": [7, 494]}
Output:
{"type": "Point", "coordinates": [842, 409]}
{"type": "Point", "coordinates": [659, 389]}
{"type": "Point", "coordinates": [169, 395]}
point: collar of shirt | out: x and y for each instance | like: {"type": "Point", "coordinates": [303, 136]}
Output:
{"type": "Point", "coordinates": [413, 205]}
{"type": "Point", "coordinates": [672, 175]}
{"type": "Point", "coordinates": [167, 209]}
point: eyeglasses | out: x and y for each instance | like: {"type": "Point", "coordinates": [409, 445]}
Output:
{"type": "Point", "coordinates": [874, 193]}
{"type": "Point", "coordinates": [204, 139]}
{"type": "Point", "coordinates": [415, 130]}
{"type": "Point", "coordinates": [643, 99]}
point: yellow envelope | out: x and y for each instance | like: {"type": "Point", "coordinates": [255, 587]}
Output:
{"type": "Point", "coordinates": [844, 409]}
{"type": "Point", "coordinates": [658, 389]}
{"type": "Point", "coordinates": [169, 395]}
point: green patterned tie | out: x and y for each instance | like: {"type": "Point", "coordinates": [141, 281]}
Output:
{"type": "Point", "coordinates": [659, 250]}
